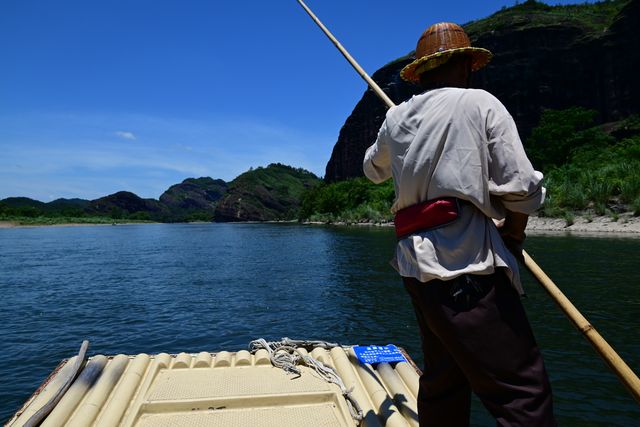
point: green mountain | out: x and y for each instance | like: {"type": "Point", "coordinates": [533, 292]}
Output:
{"type": "Point", "coordinates": [69, 204]}
{"type": "Point", "coordinates": [125, 204]}
{"type": "Point", "coordinates": [21, 202]}
{"type": "Point", "coordinates": [262, 194]}
{"type": "Point", "coordinates": [194, 199]}
{"type": "Point", "coordinates": [590, 19]}
{"type": "Point", "coordinates": [26, 207]}
{"type": "Point", "coordinates": [265, 194]}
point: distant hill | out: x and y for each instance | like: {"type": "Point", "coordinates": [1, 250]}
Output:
{"type": "Point", "coordinates": [21, 202]}
{"type": "Point", "coordinates": [67, 207]}
{"type": "Point", "coordinates": [125, 204]}
{"type": "Point", "coordinates": [194, 198]}
{"type": "Point", "coordinates": [270, 193]}
{"type": "Point", "coordinates": [69, 203]}
{"type": "Point", "coordinates": [265, 194]}
{"type": "Point", "coordinates": [24, 206]}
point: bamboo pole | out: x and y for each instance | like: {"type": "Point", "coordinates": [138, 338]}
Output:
{"type": "Point", "coordinates": [349, 58]}
{"type": "Point", "coordinates": [628, 378]}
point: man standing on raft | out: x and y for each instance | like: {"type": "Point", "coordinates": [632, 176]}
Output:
{"type": "Point", "coordinates": [457, 164]}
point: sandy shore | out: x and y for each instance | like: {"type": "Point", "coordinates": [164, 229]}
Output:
{"type": "Point", "coordinates": [625, 226]}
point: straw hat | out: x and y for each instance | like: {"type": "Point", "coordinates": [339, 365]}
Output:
{"type": "Point", "coordinates": [437, 45]}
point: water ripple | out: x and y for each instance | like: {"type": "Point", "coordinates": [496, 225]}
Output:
{"type": "Point", "coordinates": [193, 287]}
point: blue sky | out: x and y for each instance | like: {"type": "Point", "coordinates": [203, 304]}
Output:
{"type": "Point", "coordinates": [98, 97]}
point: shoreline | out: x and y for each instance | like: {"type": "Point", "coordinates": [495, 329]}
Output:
{"type": "Point", "coordinates": [14, 224]}
{"type": "Point", "coordinates": [626, 225]}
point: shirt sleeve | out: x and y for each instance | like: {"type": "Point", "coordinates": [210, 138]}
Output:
{"type": "Point", "coordinates": [511, 175]}
{"type": "Point", "coordinates": [377, 160]}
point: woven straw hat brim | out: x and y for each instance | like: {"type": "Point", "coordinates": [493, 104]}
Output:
{"type": "Point", "coordinates": [479, 57]}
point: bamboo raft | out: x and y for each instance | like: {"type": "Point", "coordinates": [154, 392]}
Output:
{"type": "Point", "coordinates": [225, 389]}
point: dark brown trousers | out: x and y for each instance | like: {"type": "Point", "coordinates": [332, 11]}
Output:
{"type": "Point", "coordinates": [476, 337]}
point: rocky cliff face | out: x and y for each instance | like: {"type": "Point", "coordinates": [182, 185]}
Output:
{"type": "Point", "coordinates": [361, 127]}
{"type": "Point", "coordinates": [544, 57]}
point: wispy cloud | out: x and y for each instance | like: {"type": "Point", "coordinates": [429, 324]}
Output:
{"type": "Point", "coordinates": [75, 155]}
{"type": "Point", "coordinates": [126, 135]}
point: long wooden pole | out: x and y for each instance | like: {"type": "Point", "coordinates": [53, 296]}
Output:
{"type": "Point", "coordinates": [349, 58]}
{"type": "Point", "coordinates": [602, 347]}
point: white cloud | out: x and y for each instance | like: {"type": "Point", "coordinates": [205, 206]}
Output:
{"type": "Point", "coordinates": [126, 135]}
{"type": "Point", "coordinates": [68, 156]}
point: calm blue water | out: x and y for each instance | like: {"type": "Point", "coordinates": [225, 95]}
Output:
{"type": "Point", "coordinates": [193, 287]}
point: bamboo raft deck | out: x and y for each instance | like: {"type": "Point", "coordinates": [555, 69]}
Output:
{"type": "Point", "coordinates": [226, 389]}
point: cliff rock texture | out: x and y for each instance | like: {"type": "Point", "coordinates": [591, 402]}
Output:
{"type": "Point", "coordinates": [361, 127]}
{"type": "Point", "coordinates": [544, 57]}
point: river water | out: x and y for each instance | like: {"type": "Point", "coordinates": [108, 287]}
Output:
{"type": "Point", "coordinates": [206, 287]}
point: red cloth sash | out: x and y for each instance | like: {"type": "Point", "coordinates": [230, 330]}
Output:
{"type": "Point", "coordinates": [426, 215]}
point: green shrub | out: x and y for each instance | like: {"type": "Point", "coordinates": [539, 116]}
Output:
{"type": "Point", "coordinates": [353, 200]}
{"type": "Point", "coordinates": [600, 208]}
{"type": "Point", "coordinates": [140, 216]}
{"type": "Point", "coordinates": [564, 190]}
{"type": "Point", "coordinates": [635, 205]}
{"type": "Point", "coordinates": [569, 219]}
{"type": "Point", "coordinates": [558, 133]}
{"type": "Point", "coordinates": [630, 188]}
{"type": "Point", "coordinates": [596, 173]}
{"type": "Point", "coordinates": [599, 190]}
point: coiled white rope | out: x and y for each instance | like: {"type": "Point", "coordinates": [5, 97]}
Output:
{"type": "Point", "coordinates": [286, 355]}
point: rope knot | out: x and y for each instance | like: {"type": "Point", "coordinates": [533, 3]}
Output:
{"type": "Point", "coordinates": [286, 355]}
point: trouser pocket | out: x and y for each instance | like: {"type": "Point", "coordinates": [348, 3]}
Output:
{"type": "Point", "coordinates": [464, 292]}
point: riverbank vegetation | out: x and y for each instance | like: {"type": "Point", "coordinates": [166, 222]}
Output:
{"type": "Point", "coordinates": [24, 211]}
{"type": "Point", "coordinates": [268, 193]}
{"type": "Point", "coordinates": [353, 200]}
{"type": "Point", "coordinates": [64, 220]}
{"type": "Point", "coordinates": [591, 18]}
{"type": "Point", "coordinates": [589, 171]}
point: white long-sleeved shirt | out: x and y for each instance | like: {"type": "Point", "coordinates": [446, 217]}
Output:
{"type": "Point", "coordinates": [453, 142]}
